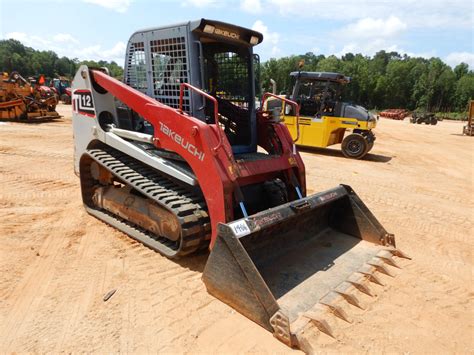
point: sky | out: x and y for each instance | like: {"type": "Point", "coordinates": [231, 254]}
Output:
{"type": "Point", "coordinates": [99, 29]}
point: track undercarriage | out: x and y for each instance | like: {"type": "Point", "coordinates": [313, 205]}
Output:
{"type": "Point", "coordinates": [140, 201]}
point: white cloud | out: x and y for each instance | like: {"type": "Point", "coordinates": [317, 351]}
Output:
{"type": "Point", "coordinates": [200, 3]}
{"type": "Point", "coordinates": [369, 35]}
{"type": "Point", "coordinates": [28, 40]}
{"type": "Point", "coordinates": [251, 6]}
{"type": "Point", "coordinates": [65, 37]}
{"type": "Point", "coordinates": [456, 58]}
{"type": "Point", "coordinates": [96, 52]}
{"type": "Point", "coordinates": [116, 5]}
{"type": "Point", "coordinates": [19, 36]}
{"type": "Point", "coordinates": [270, 45]}
{"type": "Point", "coordinates": [367, 28]}
{"type": "Point", "coordinates": [367, 47]}
{"type": "Point", "coordinates": [64, 44]}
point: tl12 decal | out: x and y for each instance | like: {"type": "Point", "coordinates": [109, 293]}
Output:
{"type": "Point", "coordinates": [82, 103]}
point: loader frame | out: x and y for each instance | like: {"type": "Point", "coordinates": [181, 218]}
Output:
{"type": "Point", "coordinates": [203, 146]}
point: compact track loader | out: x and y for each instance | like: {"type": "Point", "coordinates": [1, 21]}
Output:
{"type": "Point", "coordinates": [170, 158]}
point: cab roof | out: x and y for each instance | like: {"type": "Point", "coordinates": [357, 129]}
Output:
{"type": "Point", "coordinates": [321, 76]}
{"type": "Point", "coordinates": [198, 26]}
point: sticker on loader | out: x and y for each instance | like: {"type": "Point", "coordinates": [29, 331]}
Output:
{"type": "Point", "coordinates": [82, 103]}
{"type": "Point", "coordinates": [240, 228]}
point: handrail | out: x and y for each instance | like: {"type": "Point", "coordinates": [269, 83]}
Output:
{"type": "Point", "coordinates": [206, 95]}
{"type": "Point", "coordinates": [292, 103]}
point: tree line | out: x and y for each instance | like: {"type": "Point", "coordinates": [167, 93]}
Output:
{"type": "Point", "coordinates": [386, 80]}
{"type": "Point", "coordinates": [14, 56]}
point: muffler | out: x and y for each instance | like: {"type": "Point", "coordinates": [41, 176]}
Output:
{"type": "Point", "coordinates": [276, 266]}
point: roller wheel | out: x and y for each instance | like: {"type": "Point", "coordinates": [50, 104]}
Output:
{"type": "Point", "coordinates": [370, 146]}
{"type": "Point", "coordinates": [434, 121]}
{"type": "Point", "coordinates": [354, 146]}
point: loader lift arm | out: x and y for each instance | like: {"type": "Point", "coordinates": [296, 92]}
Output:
{"type": "Point", "coordinates": [206, 149]}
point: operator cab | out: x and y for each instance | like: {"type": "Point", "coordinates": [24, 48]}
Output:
{"type": "Point", "coordinates": [320, 94]}
{"type": "Point", "coordinates": [214, 56]}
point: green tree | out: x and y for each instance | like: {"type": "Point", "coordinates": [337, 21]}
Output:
{"type": "Point", "coordinates": [464, 91]}
{"type": "Point", "coordinates": [14, 56]}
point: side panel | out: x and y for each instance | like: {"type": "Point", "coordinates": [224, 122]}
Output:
{"type": "Point", "coordinates": [84, 126]}
{"type": "Point", "coordinates": [324, 131]}
{"type": "Point", "coordinates": [87, 106]}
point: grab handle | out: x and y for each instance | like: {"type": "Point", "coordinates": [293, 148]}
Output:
{"type": "Point", "coordinates": [292, 103]}
{"type": "Point", "coordinates": [209, 97]}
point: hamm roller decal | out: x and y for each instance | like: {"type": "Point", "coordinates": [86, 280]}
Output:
{"type": "Point", "coordinates": [82, 103]}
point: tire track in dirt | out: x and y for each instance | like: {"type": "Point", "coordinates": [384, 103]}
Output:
{"type": "Point", "coordinates": [26, 153]}
{"type": "Point", "coordinates": [35, 280]}
{"type": "Point", "coordinates": [423, 218]}
{"type": "Point", "coordinates": [386, 185]}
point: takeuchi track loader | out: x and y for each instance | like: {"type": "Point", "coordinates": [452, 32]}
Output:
{"type": "Point", "coordinates": [170, 158]}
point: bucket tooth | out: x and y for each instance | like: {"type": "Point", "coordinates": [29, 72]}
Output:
{"type": "Point", "coordinates": [358, 281]}
{"type": "Point", "coordinates": [389, 261]}
{"type": "Point", "coordinates": [377, 264]}
{"type": "Point", "coordinates": [399, 253]}
{"type": "Point", "coordinates": [350, 298]}
{"type": "Point", "coordinates": [386, 256]}
{"type": "Point", "coordinates": [372, 278]}
{"type": "Point", "coordinates": [320, 323]}
{"type": "Point", "coordinates": [337, 311]}
{"type": "Point", "coordinates": [362, 288]}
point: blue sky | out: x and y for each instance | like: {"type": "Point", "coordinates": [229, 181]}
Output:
{"type": "Point", "coordinates": [99, 29]}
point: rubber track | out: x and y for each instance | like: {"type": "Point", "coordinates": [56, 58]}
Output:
{"type": "Point", "coordinates": [188, 207]}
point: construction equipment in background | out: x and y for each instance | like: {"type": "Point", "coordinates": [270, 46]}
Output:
{"type": "Point", "coordinates": [21, 99]}
{"type": "Point", "coordinates": [424, 117]}
{"type": "Point", "coordinates": [395, 113]}
{"type": "Point", "coordinates": [169, 157]}
{"type": "Point", "coordinates": [62, 86]}
{"type": "Point", "coordinates": [468, 129]}
{"type": "Point", "coordinates": [325, 118]}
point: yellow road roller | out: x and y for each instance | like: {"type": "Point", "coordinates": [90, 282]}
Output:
{"type": "Point", "coordinates": [325, 118]}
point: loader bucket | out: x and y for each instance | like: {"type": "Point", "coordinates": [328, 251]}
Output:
{"type": "Point", "coordinates": [279, 264]}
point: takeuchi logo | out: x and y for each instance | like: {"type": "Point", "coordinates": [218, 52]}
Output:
{"type": "Point", "coordinates": [181, 141]}
{"type": "Point", "coordinates": [226, 33]}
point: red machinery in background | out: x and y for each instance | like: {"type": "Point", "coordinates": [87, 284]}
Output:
{"type": "Point", "coordinates": [395, 113]}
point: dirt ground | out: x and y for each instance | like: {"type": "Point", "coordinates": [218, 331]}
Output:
{"type": "Point", "coordinates": [57, 262]}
